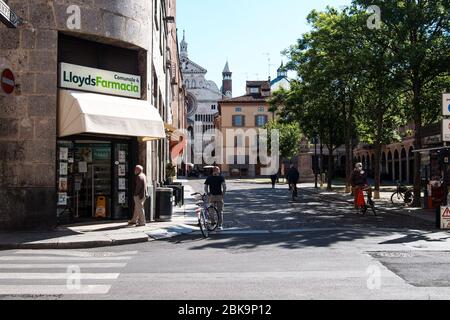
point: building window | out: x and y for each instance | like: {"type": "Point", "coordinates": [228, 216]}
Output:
{"type": "Point", "coordinates": [261, 109]}
{"type": "Point", "coordinates": [238, 109]}
{"type": "Point", "coordinates": [213, 107]}
{"type": "Point", "coordinates": [254, 90]}
{"type": "Point", "coordinates": [261, 121]}
{"type": "Point", "coordinates": [238, 121]}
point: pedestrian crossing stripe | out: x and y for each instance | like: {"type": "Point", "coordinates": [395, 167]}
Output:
{"type": "Point", "coordinates": [19, 275]}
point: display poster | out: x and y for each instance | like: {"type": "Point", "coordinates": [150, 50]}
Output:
{"type": "Point", "coordinates": [82, 167]}
{"type": "Point", "coordinates": [63, 169]}
{"type": "Point", "coordinates": [63, 154]}
{"type": "Point", "coordinates": [122, 184]}
{"type": "Point", "coordinates": [62, 199]}
{"type": "Point", "coordinates": [122, 156]}
{"type": "Point", "coordinates": [62, 185]}
{"type": "Point", "coordinates": [122, 198]}
{"type": "Point", "coordinates": [122, 170]}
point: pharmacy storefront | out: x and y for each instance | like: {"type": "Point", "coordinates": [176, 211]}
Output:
{"type": "Point", "coordinates": [101, 119]}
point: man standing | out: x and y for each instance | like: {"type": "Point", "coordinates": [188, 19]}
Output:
{"type": "Point", "coordinates": [216, 188]}
{"type": "Point", "coordinates": [140, 196]}
{"type": "Point", "coordinates": [293, 176]}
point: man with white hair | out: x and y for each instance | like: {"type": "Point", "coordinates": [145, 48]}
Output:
{"type": "Point", "coordinates": [140, 196]}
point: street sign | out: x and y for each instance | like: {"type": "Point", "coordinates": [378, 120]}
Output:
{"type": "Point", "coordinates": [446, 130]}
{"type": "Point", "coordinates": [7, 81]}
{"type": "Point", "coordinates": [445, 218]}
{"type": "Point", "coordinates": [7, 16]}
{"type": "Point", "coordinates": [446, 104]}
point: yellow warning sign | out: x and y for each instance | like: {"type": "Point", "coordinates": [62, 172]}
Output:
{"type": "Point", "coordinates": [100, 211]}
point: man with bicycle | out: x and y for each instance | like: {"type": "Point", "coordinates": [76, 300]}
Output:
{"type": "Point", "coordinates": [215, 188]}
{"type": "Point", "coordinates": [293, 176]}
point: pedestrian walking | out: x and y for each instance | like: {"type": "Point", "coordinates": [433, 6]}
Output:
{"type": "Point", "coordinates": [293, 176]}
{"type": "Point", "coordinates": [215, 188]}
{"type": "Point", "coordinates": [140, 197]}
{"type": "Point", "coordinates": [274, 179]}
{"type": "Point", "coordinates": [360, 184]}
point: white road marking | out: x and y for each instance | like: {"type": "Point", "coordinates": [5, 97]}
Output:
{"type": "Point", "coordinates": [63, 265]}
{"type": "Point", "coordinates": [57, 276]}
{"type": "Point", "coordinates": [52, 290]}
{"type": "Point", "coordinates": [80, 259]}
{"type": "Point", "coordinates": [76, 253]}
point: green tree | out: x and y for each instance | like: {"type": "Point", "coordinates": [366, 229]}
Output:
{"type": "Point", "coordinates": [419, 34]}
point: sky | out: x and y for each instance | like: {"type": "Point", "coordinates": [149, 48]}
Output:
{"type": "Point", "coordinates": [245, 32]}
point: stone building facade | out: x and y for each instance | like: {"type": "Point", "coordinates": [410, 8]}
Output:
{"type": "Point", "coordinates": [202, 98]}
{"type": "Point", "coordinates": [127, 36]}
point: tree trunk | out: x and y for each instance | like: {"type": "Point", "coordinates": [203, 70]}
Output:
{"type": "Point", "coordinates": [321, 161]}
{"type": "Point", "coordinates": [418, 141]}
{"type": "Point", "coordinates": [348, 132]}
{"type": "Point", "coordinates": [330, 169]}
{"type": "Point", "coordinates": [348, 165]}
{"type": "Point", "coordinates": [377, 170]}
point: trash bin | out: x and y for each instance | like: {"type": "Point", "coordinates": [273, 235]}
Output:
{"type": "Point", "coordinates": [178, 193]}
{"type": "Point", "coordinates": [163, 204]}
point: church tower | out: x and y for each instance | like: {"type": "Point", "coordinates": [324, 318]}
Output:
{"type": "Point", "coordinates": [227, 82]}
{"type": "Point", "coordinates": [282, 71]}
{"type": "Point", "coordinates": [184, 46]}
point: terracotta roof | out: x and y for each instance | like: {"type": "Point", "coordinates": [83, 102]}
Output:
{"type": "Point", "coordinates": [262, 84]}
{"type": "Point", "coordinates": [246, 98]}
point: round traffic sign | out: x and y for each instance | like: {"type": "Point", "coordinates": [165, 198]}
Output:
{"type": "Point", "coordinates": [7, 81]}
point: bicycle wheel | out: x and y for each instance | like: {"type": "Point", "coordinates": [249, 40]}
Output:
{"type": "Point", "coordinates": [409, 199]}
{"type": "Point", "coordinates": [203, 225]}
{"type": "Point", "coordinates": [397, 199]}
{"type": "Point", "coordinates": [212, 219]}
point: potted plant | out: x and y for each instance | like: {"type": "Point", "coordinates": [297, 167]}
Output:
{"type": "Point", "coordinates": [171, 172]}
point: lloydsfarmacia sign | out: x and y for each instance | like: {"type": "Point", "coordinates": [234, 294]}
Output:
{"type": "Point", "coordinates": [99, 81]}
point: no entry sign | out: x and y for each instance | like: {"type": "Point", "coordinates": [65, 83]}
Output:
{"type": "Point", "coordinates": [7, 81]}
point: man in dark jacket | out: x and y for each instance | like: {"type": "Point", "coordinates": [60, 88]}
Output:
{"type": "Point", "coordinates": [293, 176]}
{"type": "Point", "coordinates": [215, 188]}
{"type": "Point", "coordinates": [140, 196]}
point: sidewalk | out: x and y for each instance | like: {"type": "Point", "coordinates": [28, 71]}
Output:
{"type": "Point", "coordinates": [106, 234]}
{"type": "Point", "coordinates": [384, 204]}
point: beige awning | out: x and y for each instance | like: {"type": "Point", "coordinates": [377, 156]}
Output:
{"type": "Point", "coordinates": [82, 112]}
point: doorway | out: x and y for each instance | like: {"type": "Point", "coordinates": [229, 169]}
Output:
{"type": "Point", "coordinates": [94, 180]}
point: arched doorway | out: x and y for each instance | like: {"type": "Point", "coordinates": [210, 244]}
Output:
{"type": "Point", "coordinates": [411, 165]}
{"type": "Point", "coordinates": [390, 166]}
{"type": "Point", "coordinates": [384, 169]}
{"type": "Point", "coordinates": [403, 166]}
{"type": "Point", "coordinates": [396, 166]}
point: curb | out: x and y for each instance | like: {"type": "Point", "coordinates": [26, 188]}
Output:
{"type": "Point", "coordinates": [72, 245]}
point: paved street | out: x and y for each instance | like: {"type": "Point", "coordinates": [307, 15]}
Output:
{"type": "Point", "coordinates": [272, 248]}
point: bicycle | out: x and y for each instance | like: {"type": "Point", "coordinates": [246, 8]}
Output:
{"type": "Point", "coordinates": [369, 204]}
{"type": "Point", "coordinates": [208, 216]}
{"type": "Point", "coordinates": [403, 196]}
